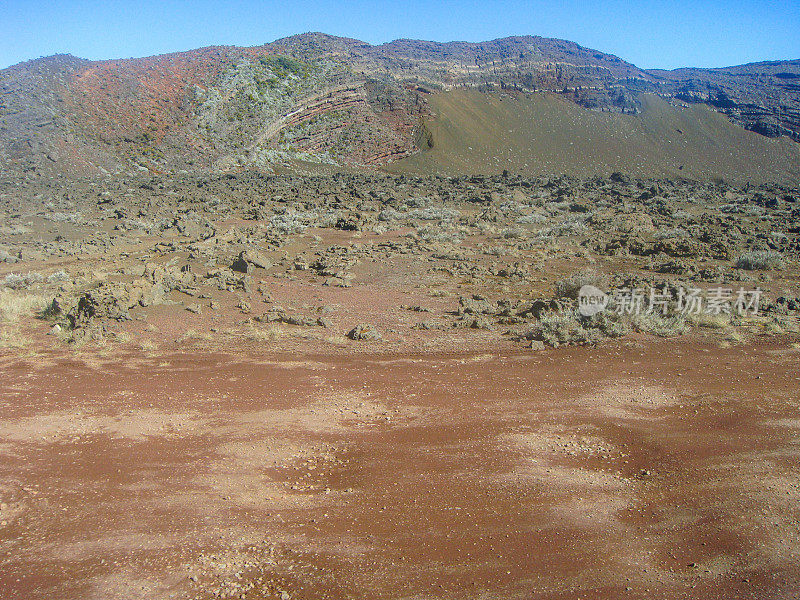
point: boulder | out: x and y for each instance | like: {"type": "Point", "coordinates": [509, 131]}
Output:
{"type": "Point", "coordinates": [364, 332]}
{"type": "Point", "coordinates": [250, 259]}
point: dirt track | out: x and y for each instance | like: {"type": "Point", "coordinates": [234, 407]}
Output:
{"type": "Point", "coordinates": [655, 470]}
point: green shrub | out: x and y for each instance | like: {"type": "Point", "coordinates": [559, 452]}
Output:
{"type": "Point", "coordinates": [563, 328]}
{"type": "Point", "coordinates": [281, 64]}
{"type": "Point", "coordinates": [611, 324]}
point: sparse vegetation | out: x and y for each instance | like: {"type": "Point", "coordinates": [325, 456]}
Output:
{"type": "Point", "coordinates": [760, 260]}
{"type": "Point", "coordinates": [569, 287]}
{"type": "Point", "coordinates": [660, 325]}
{"type": "Point", "coordinates": [532, 219]}
{"type": "Point", "coordinates": [14, 305]}
{"type": "Point", "coordinates": [710, 321]}
{"type": "Point", "coordinates": [58, 277]}
{"type": "Point", "coordinates": [453, 238]}
{"type": "Point", "coordinates": [570, 328]}
{"type": "Point", "coordinates": [20, 281]}
{"type": "Point", "coordinates": [62, 217]}
{"type": "Point", "coordinates": [563, 329]}
{"type": "Point", "coordinates": [611, 324]}
{"type": "Point", "coordinates": [11, 339]}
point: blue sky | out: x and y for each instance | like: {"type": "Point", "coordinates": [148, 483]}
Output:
{"type": "Point", "coordinates": [649, 33]}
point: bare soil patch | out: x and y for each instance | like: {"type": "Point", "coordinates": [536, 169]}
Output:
{"type": "Point", "coordinates": [662, 469]}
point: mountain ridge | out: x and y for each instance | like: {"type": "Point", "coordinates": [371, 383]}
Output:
{"type": "Point", "coordinates": [327, 99]}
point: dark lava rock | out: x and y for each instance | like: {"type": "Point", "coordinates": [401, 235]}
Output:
{"type": "Point", "coordinates": [364, 332]}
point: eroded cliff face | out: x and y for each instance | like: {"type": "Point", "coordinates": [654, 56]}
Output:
{"type": "Point", "coordinates": [762, 97]}
{"type": "Point", "coordinates": [324, 99]}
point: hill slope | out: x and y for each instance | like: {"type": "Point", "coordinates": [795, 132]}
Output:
{"type": "Point", "coordinates": [339, 101]}
{"type": "Point", "coordinates": [539, 134]}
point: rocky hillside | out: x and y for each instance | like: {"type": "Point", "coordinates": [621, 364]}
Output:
{"type": "Point", "coordinates": [762, 97]}
{"type": "Point", "coordinates": [320, 99]}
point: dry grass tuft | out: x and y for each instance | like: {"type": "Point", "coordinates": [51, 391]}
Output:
{"type": "Point", "coordinates": [14, 305]}
{"type": "Point", "coordinates": [710, 321]}
{"type": "Point", "coordinates": [11, 339]}
{"type": "Point", "coordinates": [268, 333]}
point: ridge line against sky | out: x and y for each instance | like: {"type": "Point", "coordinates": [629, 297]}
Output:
{"type": "Point", "coordinates": [649, 33]}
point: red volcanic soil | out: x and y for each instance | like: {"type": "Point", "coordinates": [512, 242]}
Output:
{"type": "Point", "coordinates": [128, 97]}
{"type": "Point", "coordinates": [657, 470]}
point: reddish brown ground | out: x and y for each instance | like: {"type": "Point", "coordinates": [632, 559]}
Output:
{"type": "Point", "coordinates": [635, 470]}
